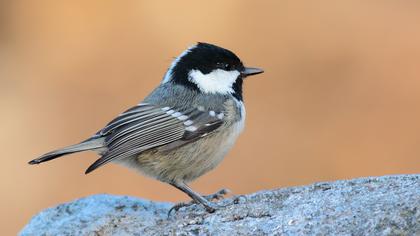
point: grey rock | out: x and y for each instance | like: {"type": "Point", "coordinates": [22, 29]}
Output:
{"type": "Point", "coordinates": [388, 205]}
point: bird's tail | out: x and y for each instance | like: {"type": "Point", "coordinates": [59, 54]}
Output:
{"type": "Point", "coordinates": [90, 144]}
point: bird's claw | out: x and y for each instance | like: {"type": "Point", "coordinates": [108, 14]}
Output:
{"type": "Point", "coordinates": [217, 195]}
{"type": "Point", "coordinates": [178, 206]}
{"type": "Point", "coordinates": [209, 207]}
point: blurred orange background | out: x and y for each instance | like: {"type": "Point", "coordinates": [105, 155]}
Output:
{"type": "Point", "coordinates": [339, 99]}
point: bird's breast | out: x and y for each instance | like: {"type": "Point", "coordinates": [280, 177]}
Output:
{"type": "Point", "coordinates": [194, 159]}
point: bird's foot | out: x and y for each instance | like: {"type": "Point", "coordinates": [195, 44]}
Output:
{"type": "Point", "coordinates": [178, 206]}
{"type": "Point", "coordinates": [217, 195]}
{"type": "Point", "coordinates": [210, 207]}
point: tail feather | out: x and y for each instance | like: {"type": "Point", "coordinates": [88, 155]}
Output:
{"type": "Point", "coordinates": [90, 144]}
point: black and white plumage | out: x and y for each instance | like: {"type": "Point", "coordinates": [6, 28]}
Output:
{"type": "Point", "coordinates": [184, 128]}
{"type": "Point", "coordinates": [147, 126]}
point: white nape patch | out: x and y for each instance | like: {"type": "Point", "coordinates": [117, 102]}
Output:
{"type": "Point", "coordinates": [191, 128]}
{"type": "Point", "coordinates": [212, 113]}
{"type": "Point", "coordinates": [168, 75]}
{"type": "Point", "coordinates": [217, 81]}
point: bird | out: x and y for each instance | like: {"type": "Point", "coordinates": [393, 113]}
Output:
{"type": "Point", "coordinates": [183, 128]}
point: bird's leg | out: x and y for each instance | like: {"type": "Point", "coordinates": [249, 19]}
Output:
{"type": "Point", "coordinates": [209, 206]}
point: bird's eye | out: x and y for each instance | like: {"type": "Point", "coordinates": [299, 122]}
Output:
{"type": "Point", "coordinates": [224, 66]}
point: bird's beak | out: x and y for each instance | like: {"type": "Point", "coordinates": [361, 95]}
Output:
{"type": "Point", "coordinates": [251, 71]}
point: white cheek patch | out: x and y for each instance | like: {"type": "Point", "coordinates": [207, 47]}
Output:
{"type": "Point", "coordinates": [217, 81]}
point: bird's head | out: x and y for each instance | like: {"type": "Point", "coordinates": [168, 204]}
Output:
{"type": "Point", "coordinates": [210, 69]}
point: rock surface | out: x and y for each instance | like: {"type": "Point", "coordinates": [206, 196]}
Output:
{"type": "Point", "coordinates": [388, 205]}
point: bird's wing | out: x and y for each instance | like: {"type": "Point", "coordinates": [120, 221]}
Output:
{"type": "Point", "coordinates": [147, 126]}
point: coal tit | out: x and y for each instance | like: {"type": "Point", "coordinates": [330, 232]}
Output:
{"type": "Point", "coordinates": [184, 128]}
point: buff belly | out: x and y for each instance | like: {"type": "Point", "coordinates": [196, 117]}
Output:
{"type": "Point", "coordinates": [189, 161]}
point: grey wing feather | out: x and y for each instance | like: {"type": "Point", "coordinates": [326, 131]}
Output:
{"type": "Point", "coordinates": [147, 126]}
